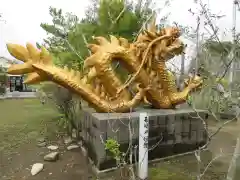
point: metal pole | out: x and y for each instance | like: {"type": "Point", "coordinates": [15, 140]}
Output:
{"type": "Point", "coordinates": [197, 44]}
{"type": "Point", "coordinates": [232, 53]}
{"type": "Point", "coordinates": [143, 146]}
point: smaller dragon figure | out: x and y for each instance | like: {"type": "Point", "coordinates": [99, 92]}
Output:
{"type": "Point", "coordinates": [145, 60]}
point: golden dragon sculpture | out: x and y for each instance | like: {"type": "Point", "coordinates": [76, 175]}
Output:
{"type": "Point", "coordinates": [145, 60]}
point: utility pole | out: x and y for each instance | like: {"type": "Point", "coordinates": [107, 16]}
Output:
{"type": "Point", "coordinates": [232, 53]}
{"type": "Point", "coordinates": [197, 44]}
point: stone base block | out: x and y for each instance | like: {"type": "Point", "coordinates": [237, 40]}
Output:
{"type": "Point", "coordinates": [170, 132]}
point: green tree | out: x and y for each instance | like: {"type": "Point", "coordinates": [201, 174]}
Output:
{"type": "Point", "coordinates": [214, 57]}
{"type": "Point", "coordinates": [221, 48]}
{"type": "Point", "coordinates": [214, 62]}
{"type": "Point", "coordinates": [68, 35]}
{"type": "Point", "coordinates": [3, 80]}
{"type": "Point", "coordinates": [58, 42]}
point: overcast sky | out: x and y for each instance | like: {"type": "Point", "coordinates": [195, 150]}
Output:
{"type": "Point", "coordinates": [23, 17]}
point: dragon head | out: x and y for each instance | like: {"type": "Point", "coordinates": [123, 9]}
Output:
{"type": "Point", "coordinates": [165, 43]}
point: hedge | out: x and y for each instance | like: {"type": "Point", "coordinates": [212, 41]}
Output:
{"type": "Point", "coordinates": [3, 81]}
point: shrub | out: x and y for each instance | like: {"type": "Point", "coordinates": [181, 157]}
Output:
{"type": "Point", "coordinates": [66, 103]}
{"type": "Point", "coordinates": [3, 80]}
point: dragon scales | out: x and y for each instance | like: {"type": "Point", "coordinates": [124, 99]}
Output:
{"type": "Point", "coordinates": [145, 59]}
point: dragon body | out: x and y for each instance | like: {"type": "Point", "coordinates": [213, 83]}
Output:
{"type": "Point", "coordinates": [145, 60]}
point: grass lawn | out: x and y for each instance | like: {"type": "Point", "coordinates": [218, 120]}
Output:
{"type": "Point", "coordinates": [24, 120]}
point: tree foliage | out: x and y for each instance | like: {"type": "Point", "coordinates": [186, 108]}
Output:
{"type": "Point", "coordinates": [3, 80]}
{"type": "Point", "coordinates": [214, 60]}
{"type": "Point", "coordinates": [68, 34]}
{"type": "Point", "coordinates": [215, 57]}
{"type": "Point", "coordinates": [223, 48]}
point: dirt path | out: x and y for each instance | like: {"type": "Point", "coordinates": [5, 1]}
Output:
{"type": "Point", "coordinates": [22, 123]}
{"type": "Point", "coordinates": [71, 164]}
{"type": "Point", "coordinates": [225, 140]}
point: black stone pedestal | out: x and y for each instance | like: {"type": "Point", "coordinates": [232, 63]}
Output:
{"type": "Point", "coordinates": [170, 132]}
